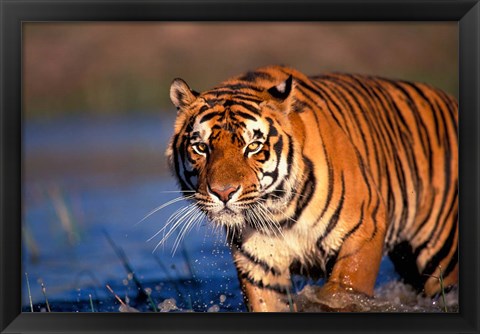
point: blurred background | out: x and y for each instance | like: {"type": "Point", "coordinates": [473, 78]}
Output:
{"type": "Point", "coordinates": [97, 119]}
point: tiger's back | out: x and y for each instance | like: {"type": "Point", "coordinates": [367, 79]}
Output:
{"type": "Point", "coordinates": [339, 168]}
{"type": "Point", "coordinates": [406, 134]}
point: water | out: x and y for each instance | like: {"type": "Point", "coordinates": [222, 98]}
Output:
{"type": "Point", "coordinates": [88, 181]}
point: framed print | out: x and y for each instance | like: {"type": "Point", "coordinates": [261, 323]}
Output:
{"type": "Point", "coordinates": [239, 166]}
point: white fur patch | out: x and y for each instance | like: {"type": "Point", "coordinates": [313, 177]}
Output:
{"type": "Point", "coordinates": [281, 87]}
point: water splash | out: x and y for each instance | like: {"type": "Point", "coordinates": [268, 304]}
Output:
{"type": "Point", "coordinates": [393, 296]}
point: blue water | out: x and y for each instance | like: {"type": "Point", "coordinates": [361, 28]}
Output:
{"type": "Point", "coordinates": [87, 179]}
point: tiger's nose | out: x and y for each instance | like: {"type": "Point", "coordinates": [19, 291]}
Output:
{"type": "Point", "coordinates": [224, 193]}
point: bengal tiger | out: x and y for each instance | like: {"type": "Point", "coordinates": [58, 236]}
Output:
{"type": "Point", "coordinates": [322, 174]}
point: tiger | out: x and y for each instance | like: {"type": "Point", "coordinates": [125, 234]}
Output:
{"type": "Point", "coordinates": [321, 176]}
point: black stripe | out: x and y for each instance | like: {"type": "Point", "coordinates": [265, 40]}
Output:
{"type": "Point", "coordinates": [259, 262]}
{"type": "Point", "coordinates": [400, 118]}
{"type": "Point", "coordinates": [445, 125]}
{"type": "Point", "coordinates": [423, 133]}
{"type": "Point", "coordinates": [272, 128]}
{"type": "Point", "coordinates": [279, 192]}
{"type": "Point", "coordinates": [383, 126]}
{"type": "Point", "coordinates": [245, 115]}
{"type": "Point", "coordinates": [446, 138]}
{"type": "Point", "coordinates": [319, 92]}
{"type": "Point", "coordinates": [239, 86]}
{"type": "Point", "coordinates": [344, 93]}
{"type": "Point", "coordinates": [448, 212]}
{"type": "Point", "coordinates": [254, 76]}
{"type": "Point", "coordinates": [274, 174]}
{"type": "Point", "coordinates": [336, 215]}
{"type": "Point", "coordinates": [304, 195]}
{"type": "Point", "coordinates": [309, 100]}
{"type": "Point", "coordinates": [247, 106]}
{"type": "Point", "coordinates": [388, 125]}
{"type": "Point", "coordinates": [195, 135]}
{"type": "Point", "coordinates": [451, 265]}
{"type": "Point", "coordinates": [218, 93]}
{"type": "Point", "coordinates": [447, 178]}
{"type": "Point", "coordinates": [390, 196]}
{"type": "Point", "coordinates": [414, 173]}
{"type": "Point", "coordinates": [276, 288]}
{"type": "Point", "coordinates": [376, 132]}
{"type": "Point", "coordinates": [357, 225]}
{"type": "Point", "coordinates": [183, 154]}
{"type": "Point", "coordinates": [408, 99]}
{"type": "Point", "coordinates": [447, 181]}
{"type": "Point", "coordinates": [176, 162]}
{"type": "Point", "coordinates": [278, 148]}
{"type": "Point", "coordinates": [203, 108]}
{"type": "Point", "coordinates": [363, 171]}
{"type": "Point", "coordinates": [403, 188]}
{"type": "Point", "coordinates": [427, 217]}
{"type": "Point", "coordinates": [326, 96]}
{"type": "Point", "coordinates": [374, 220]}
{"type": "Point", "coordinates": [391, 206]}
{"type": "Point", "coordinates": [209, 116]}
{"type": "Point", "coordinates": [330, 182]}
{"type": "Point", "coordinates": [435, 260]}
{"type": "Point", "coordinates": [452, 108]}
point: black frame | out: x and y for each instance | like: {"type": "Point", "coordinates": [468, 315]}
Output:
{"type": "Point", "coordinates": [14, 12]}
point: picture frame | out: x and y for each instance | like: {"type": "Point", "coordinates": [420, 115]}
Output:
{"type": "Point", "coordinates": [14, 13]}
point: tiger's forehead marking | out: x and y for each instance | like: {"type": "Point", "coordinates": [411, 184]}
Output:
{"type": "Point", "coordinates": [225, 117]}
{"type": "Point", "coordinates": [257, 130]}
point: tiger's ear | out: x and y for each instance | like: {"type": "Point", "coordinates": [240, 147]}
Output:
{"type": "Point", "coordinates": [181, 95]}
{"type": "Point", "coordinates": [282, 90]}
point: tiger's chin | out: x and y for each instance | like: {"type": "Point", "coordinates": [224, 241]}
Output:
{"type": "Point", "coordinates": [239, 223]}
{"type": "Point", "coordinates": [227, 218]}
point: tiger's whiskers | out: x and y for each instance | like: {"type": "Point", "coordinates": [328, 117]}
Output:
{"type": "Point", "coordinates": [175, 200]}
{"type": "Point", "coordinates": [272, 223]}
{"type": "Point", "coordinates": [184, 219]}
{"type": "Point", "coordinates": [195, 218]}
{"type": "Point", "coordinates": [188, 216]}
{"type": "Point", "coordinates": [171, 219]}
{"type": "Point", "coordinates": [177, 191]}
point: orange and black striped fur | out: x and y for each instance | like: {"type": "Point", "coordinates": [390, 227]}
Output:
{"type": "Point", "coordinates": [323, 174]}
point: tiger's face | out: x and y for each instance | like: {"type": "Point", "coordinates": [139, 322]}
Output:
{"type": "Point", "coordinates": [238, 158]}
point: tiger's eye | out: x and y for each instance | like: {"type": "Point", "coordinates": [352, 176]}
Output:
{"type": "Point", "coordinates": [200, 148]}
{"type": "Point", "coordinates": [254, 147]}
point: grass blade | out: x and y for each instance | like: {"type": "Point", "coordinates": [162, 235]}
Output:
{"type": "Point", "coordinates": [44, 291]}
{"type": "Point", "coordinates": [29, 293]}
{"type": "Point", "coordinates": [124, 307]}
{"type": "Point", "coordinates": [148, 291]}
{"type": "Point", "coordinates": [91, 302]}
{"type": "Point", "coordinates": [442, 288]}
{"type": "Point", "coordinates": [291, 305]}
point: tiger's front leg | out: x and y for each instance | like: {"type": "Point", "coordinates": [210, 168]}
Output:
{"type": "Point", "coordinates": [356, 267]}
{"type": "Point", "coordinates": [264, 289]}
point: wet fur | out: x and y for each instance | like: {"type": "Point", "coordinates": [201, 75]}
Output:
{"type": "Point", "coordinates": [351, 167]}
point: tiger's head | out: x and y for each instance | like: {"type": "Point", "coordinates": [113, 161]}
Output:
{"type": "Point", "coordinates": [237, 148]}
